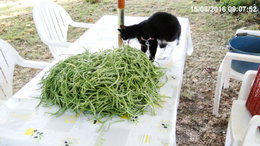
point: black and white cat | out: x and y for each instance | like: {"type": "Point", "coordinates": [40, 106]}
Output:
{"type": "Point", "coordinates": [160, 28]}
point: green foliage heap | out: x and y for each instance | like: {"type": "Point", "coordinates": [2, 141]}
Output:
{"type": "Point", "coordinates": [117, 82]}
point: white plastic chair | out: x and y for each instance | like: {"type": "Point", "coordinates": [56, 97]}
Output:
{"type": "Point", "coordinates": [52, 23]}
{"type": "Point", "coordinates": [242, 127]}
{"type": "Point", "coordinates": [225, 71]}
{"type": "Point", "coordinates": [9, 57]}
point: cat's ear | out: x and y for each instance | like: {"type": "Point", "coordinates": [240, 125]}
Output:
{"type": "Point", "coordinates": [119, 30]}
{"type": "Point", "coordinates": [122, 26]}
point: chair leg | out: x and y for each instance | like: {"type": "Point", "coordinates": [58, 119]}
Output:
{"type": "Point", "coordinates": [218, 91]}
{"type": "Point", "coordinates": [226, 82]}
{"type": "Point", "coordinates": [228, 136]}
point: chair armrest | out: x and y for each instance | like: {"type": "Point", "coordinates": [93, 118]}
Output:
{"type": "Point", "coordinates": [250, 134]}
{"type": "Point", "coordinates": [242, 57]}
{"type": "Point", "coordinates": [248, 32]}
{"type": "Point", "coordinates": [237, 56]}
{"type": "Point", "coordinates": [32, 64]}
{"type": "Point", "coordinates": [81, 24]}
{"type": "Point", "coordinates": [226, 63]}
{"type": "Point", "coordinates": [246, 85]}
{"type": "Point", "coordinates": [57, 43]}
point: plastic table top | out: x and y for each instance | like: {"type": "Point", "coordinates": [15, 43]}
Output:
{"type": "Point", "coordinates": [23, 124]}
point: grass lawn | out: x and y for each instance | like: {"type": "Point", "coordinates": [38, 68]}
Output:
{"type": "Point", "coordinates": [210, 33]}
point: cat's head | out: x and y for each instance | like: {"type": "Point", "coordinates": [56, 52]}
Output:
{"type": "Point", "coordinates": [125, 32]}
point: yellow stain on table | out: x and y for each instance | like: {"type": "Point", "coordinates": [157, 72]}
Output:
{"type": "Point", "coordinates": [70, 119]}
{"type": "Point", "coordinates": [146, 139]}
{"type": "Point", "coordinates": [30, 131]}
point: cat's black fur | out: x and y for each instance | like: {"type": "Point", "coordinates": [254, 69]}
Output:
{"type": "Point", "coordinates": [160, 26]}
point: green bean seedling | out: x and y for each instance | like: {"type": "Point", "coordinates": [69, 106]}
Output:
{"type": "Point", "coordinates": [117, 82]}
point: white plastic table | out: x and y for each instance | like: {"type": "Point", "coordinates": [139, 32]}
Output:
{"type": "Point", "coordinates": [21, 124]}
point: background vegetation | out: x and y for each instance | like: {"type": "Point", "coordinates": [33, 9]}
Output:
{"type": "Point", "coordinates": [240, 2]}
{"type": "Point", "coordinates": [210, 32]}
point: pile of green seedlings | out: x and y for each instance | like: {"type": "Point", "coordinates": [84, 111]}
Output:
{"type": "Point", "coordinates": [117, 82]}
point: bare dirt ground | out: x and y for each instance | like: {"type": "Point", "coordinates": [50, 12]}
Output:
{"type": "Point", "coordinates": [210, 31]}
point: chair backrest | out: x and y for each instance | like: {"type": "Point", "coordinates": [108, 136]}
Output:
{"type": "Point", "coordinates": [51, 22]}
{"type": "Point", "coordinates": [8, 59]}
